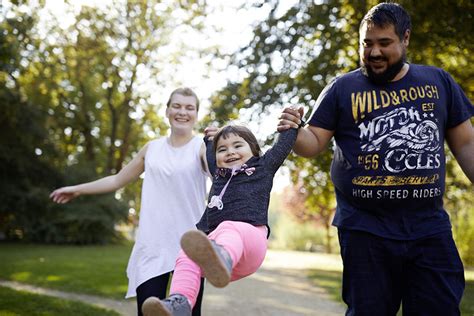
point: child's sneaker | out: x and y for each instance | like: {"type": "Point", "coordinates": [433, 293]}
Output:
{"type": "Point", "coordinates": [174, 305]}
{"type": "Point", "coordinates": [213, 259]}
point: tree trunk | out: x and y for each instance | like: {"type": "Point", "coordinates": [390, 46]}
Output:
{"type": "Point", "coordinates": [327, 225]}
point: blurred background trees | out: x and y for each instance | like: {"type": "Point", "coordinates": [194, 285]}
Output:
{"type": "Point", "coordinates": [76, 99]}
{"type": "Point", "coordinates": [76, 104]}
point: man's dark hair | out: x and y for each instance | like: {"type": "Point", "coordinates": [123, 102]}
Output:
{"type": "Point", "coordinates": [241, 131]}
{"type": "Point", "coordinates": [385, 14]}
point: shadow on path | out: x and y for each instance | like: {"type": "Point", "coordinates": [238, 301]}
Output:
{"type": "Point", "coordinates": [280, 287]}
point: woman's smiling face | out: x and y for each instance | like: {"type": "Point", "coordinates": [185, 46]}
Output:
{"type": "Point", "coordinates": [182, 112]}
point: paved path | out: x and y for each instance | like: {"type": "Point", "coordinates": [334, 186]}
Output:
{"type": "Point", "coordinates": [279, 288]}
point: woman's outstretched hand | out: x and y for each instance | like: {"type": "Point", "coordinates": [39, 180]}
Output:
{"type": "Point", "coordinates": [64, 194]}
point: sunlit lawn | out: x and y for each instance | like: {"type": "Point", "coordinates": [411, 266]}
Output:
{"type": "Point", "coordinates": [100, 270]}
{"type": "Point", "coordinates": [97, 270]}
{"type": "Point", "coordinates": [467, 305]}
{"type": "Point", "coordinates": [329, 277]}
{"type": "Point", "coordinates": [16, 303]}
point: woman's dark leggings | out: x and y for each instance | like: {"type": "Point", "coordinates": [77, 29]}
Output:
{"type": "Point", "coordinates": [157, 287]}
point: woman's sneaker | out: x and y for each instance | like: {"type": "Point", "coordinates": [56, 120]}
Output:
{"type": "Point", "coordinates": [213, 259]}
{"type": "Point", "coordinates": [174, 305]}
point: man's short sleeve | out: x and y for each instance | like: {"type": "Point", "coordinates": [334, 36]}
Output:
{"type": "Point", "coordinates": [324, 114]}
{"type": "Point", "coordinates": [460, 107]}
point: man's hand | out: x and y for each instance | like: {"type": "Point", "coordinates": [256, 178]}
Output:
{"type": "Point", "coordinates": [290, 118]}
{"type": "Point", "coordinates": [211, 131]}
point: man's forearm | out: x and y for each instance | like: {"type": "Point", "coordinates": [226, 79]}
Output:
{"type": "Point", "coordinates": [306, 144]}
{"type": "Point", "coordinates": [311, 141]}
{"type": "Point", "coordinates": [465, 158]}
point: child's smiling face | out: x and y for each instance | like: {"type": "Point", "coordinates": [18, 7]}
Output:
{"type": "Point", "coordinates": [232, 151]}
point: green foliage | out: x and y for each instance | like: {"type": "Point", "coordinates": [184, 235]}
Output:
{"type": "Point", "coordinates": [287, 233]}
{"type": "Point", "coordinates": [86, 220]}
{"type": "Point", "coordinates": [22, 303]}
{"type": "Point", "coordinates": [75, 100]}
{"type": "Point", "coordinates": [88, 81]}
{"type": "Point", "coordinates": [459, 200]}
{"type": "Point", "coordinates": [25, 174]}
{"type": "Point", "coordinates": [442, 36]}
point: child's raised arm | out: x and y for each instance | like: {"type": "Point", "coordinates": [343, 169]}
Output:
{"type": "Point", "coordinates": [281, 149]}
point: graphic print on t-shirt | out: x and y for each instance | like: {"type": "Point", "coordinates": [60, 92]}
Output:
{"type": "Point", "coordinates": [400, 143]}
{"type": "Point", "coordinates": [411, 139]}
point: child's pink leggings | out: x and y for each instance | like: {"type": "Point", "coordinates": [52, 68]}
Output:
{"type": "Point", "coordinates": [246, 244]}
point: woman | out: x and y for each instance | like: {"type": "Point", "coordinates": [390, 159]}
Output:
{"type": "Point", "coordinates": [173, 196]}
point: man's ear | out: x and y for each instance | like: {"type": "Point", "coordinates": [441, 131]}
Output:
{"type": "Point", "coordinates": [406, 38]}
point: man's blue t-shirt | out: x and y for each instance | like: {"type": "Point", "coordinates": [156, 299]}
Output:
{"type": "Point", "coordinates": [389, 162]}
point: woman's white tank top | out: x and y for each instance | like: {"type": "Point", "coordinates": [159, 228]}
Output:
{"type": "Point", "coordinates": [173, 200]}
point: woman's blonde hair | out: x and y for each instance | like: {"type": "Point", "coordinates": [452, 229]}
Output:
{"type": "Point", "coordinates": [187, 92]}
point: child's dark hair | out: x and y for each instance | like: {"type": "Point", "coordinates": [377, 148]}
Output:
{"type": "Point", "coordinates": [241, 131]}
{"type": "Point", "coordinates": [385, 14]}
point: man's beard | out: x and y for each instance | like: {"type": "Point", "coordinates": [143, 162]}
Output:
{"type": "Point", "coordinates": [386, 76]}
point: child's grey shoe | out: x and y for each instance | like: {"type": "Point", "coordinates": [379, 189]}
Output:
{"type": "Point", "coordinates": [174, 305]}
{"type": "Point", "coordinates": [213, 259]}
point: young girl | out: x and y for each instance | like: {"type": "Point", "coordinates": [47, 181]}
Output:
{"type": "Point", "coordinates": [235, 218]}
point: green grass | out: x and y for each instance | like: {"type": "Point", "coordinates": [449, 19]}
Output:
{"type": "Point", "coordinates": [330, 279]}
{"type": "Point", "coordinates": [96, 270]}
{"type": "Point", "coordinates": [22, 303]}
{"type": "Point", "coordinates": [467, 304]}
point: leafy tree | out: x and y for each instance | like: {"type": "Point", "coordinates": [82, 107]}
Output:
{"type": "Point", "coordinates": [86, 82]}
{"type": "Point", "coordinates": [312, 206]}
{"type": "Point", "coordinates": [295, 53]}
{"type": "Point", "coordinates": [24, 173]}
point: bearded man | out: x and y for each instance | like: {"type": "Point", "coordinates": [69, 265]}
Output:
{"type": "Point", "coordinates": [389, 120]}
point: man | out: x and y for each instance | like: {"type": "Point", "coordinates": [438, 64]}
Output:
{"type": "Point", "coordinates": [389, 120]}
